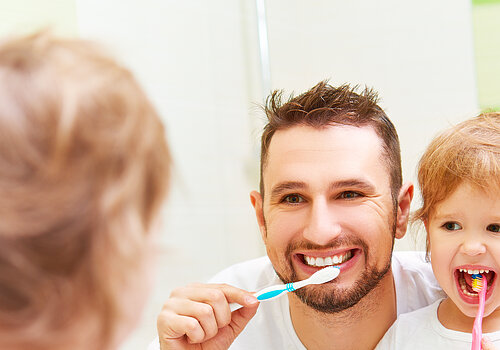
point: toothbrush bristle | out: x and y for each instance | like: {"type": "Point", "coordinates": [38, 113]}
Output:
{"type": "Point", "coordinates": [477, 282]}
{"type": "Point", "coordinates": [324, 275]}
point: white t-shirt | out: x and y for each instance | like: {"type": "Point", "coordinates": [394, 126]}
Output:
{"type": "Point", "coordinates": [271, 328]}
{"type": "Point", "coordinates": [421, 329]}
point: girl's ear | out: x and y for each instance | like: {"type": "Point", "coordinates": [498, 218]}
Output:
{"type": "Point", "coordinates": [427, 240]}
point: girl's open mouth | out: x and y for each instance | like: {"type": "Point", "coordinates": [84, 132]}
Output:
{"type": "Point", "coordinates": [464, 280]}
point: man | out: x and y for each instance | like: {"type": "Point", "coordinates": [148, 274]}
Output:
{"type": "Point", "coordinates": [331, 193]}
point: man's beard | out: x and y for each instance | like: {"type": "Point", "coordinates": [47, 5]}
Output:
{"type": "Point", "coordinates": [336, 300]}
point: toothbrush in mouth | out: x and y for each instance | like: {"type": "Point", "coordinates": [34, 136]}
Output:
{"type": "Point", "coordinates": [479, 285]}
{"type": "Point", "coordinates": [319, 277]}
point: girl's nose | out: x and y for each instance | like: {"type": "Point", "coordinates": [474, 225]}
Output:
{"type": "Point", "coordinates": [473, 244]}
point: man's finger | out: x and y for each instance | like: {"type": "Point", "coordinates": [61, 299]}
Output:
{"type": "Point", "coordinates": [219, 296]}
{"type": "Point", "coordinates": [174, 326]}
{"type": "Point", "coordinates": [241, 317]}
{"type": "Point", "coordinates": [239, 296]}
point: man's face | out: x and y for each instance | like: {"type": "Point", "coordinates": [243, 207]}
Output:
{"type": "Point", "coordinates": [328, 202]}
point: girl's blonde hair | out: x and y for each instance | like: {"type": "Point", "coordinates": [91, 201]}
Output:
{"type": "Point", "coordinates": [84, 168]}
{"type": "Point", "coordinates": [468, 152]}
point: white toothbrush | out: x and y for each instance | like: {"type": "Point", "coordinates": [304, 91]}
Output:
{"type": "Point", "coordinates": [322, 276]}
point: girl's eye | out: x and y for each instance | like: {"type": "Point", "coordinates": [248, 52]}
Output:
{"type": "Point", "coordinates": [493, 228]}
{"type": "Point", "coordinates": [349, 195]}
{"type": "Point", "coordinates": [451, 226]}
{"type": "Point", "coordinates": [293, 199]}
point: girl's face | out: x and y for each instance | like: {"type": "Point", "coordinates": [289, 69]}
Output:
{"type": "Point", "coordinates": [464, 237]}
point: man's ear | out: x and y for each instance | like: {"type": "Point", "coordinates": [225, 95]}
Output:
{"type": "Point", "coordinates": [256, 199]}
{"type": "Point", "coordinates": [404, 201]}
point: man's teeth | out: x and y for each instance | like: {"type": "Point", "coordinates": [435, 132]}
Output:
{"type": "Point", "coordinates": [328, 261]}
{"type": "Point", "coordinates": [473, 272]}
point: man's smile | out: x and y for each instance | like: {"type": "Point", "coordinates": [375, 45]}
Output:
{"type": "Point", "coordinates": [310, 261]}
{"type": "Point", "coordinates": [327, 261]}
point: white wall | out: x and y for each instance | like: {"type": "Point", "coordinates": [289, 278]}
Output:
{"type": "Point", "coordinates": [199, 62]}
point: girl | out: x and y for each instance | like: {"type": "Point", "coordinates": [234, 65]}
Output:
{"type": "Point", "coordinates": [459, 177]}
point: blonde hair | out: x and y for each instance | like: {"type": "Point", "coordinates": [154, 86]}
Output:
{"type": "Point", "coordinates": [84, 169]}
{"type": "Point", "coordinates": [468, 152]}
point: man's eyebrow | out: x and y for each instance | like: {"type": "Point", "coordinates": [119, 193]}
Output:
{"type": "Point", "coordinates": [299, 185]}
{"type": "Point", "coordinates": [353, 183]}
{"type": "Point", "coordinates": [287, 186]}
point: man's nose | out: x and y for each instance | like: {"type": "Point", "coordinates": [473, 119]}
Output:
{"type": "Point", "coordinates": [322, 224]}
{"type": "Point", "coordinates": [473, 244]}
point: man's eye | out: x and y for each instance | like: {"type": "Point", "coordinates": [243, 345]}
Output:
{"type": "Point", "coordinates": [293, 199]}
{"type": "Point", "coordinates": [493, 228]}
{"type": "Point", "coordinates": [349, 195]}
{"type": "Point", "coordinates": [451, 226]}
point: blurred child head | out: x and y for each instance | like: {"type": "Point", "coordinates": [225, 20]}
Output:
{"type": "Point", "coordinates": [459, 178]}
{"type": "Point", "coordinates": [84, 169]}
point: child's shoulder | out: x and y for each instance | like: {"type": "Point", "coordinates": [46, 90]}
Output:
{"type": "Point", "coordinates": [416, 286]}
{"type": "Point", "coordinates": [411, 330]}
{"type": "Point", "coordinates": [419, 316]}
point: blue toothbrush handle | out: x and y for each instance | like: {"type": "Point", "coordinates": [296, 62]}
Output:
{"type": "Point", "coordinates": [276, 292]}
{"type": "Point", "coordinates": [270, 295]}
{"type": "Point", "coordinates": [267, 294]}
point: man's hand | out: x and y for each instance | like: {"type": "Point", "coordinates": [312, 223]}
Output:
{"type": "Point", "coordinates": [198, 317]}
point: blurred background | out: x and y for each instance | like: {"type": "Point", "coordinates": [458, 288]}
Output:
{"type": "Point", "coordinates": [208, 66]}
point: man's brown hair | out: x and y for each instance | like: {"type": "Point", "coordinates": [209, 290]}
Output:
{"type": "Point", "coordinates": [84, 169]}
{"type": "Point", "coordinates": [325, 105]}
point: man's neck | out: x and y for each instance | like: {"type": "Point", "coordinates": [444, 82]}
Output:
{"type": "Point", "coordinates": [359, 327]}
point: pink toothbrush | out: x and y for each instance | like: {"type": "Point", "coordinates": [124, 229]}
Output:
{"type": "Point", "coordinates": [479, 285]}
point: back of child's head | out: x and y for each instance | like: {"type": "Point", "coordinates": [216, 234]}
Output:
{"type": "Point", "coordinates": [84, 169]}
{"type": "Point", "coordinates": [466, 153]}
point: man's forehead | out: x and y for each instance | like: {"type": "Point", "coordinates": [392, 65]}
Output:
{"type": "Point", "coordinates": [343, 151]}
{"type": "Point", "coordinates": [336, 139]}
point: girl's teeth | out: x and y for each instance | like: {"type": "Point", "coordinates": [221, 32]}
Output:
{"type": "Point", "coordinates": [473, 272]}
{"type": "Point", "coordinates": [465, 291]}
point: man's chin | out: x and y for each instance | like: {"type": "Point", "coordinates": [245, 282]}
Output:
{"type": "Point", "coordinates": [332, 300]}
{"type": "Point", "coordinates": [330, 303]}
